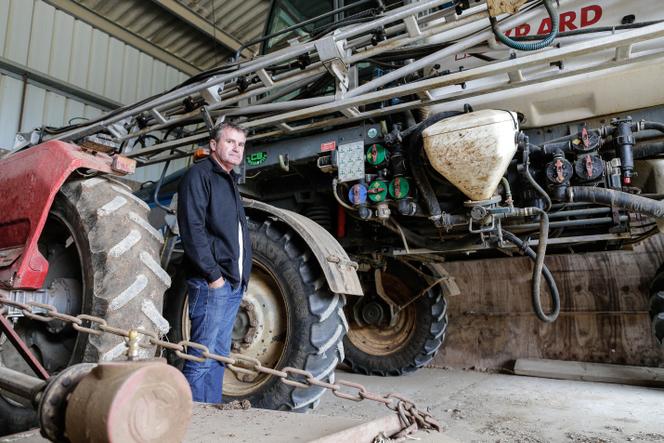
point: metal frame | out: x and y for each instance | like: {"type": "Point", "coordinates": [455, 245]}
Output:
{"type": "Point", "coordinates": [250, 90]}
{"type": "Point", "coordinates": [187, 15]}
{"type": "Point", "coordinates": [89, 16]}
{"type": "Point", "coordinates": [42, 80]}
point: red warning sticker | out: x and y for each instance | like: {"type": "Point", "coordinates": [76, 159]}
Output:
{"type": "Point", "coordinates": [328, 146]}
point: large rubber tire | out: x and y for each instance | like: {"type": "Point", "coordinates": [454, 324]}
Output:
{"type": "Point", "coordinates": [408, 343]}
{"type": "Point", "coordinates": [116, 260]}
{"type": "Point", "coordinates": [657, 306]}
{"type": "Point", "coordinates": [308, 320]}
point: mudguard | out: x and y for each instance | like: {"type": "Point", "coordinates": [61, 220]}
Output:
{"type": "Point", "coordinates": [339, 270]}
{"type": "Point", "coordinates": [29, 181]}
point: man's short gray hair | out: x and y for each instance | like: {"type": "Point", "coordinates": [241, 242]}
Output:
{"type": "Point", "coordinates": [216, 132]}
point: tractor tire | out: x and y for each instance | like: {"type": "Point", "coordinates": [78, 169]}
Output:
{"type": "Point", "coordinates": [408, 342]}
{"type": "Point", "coordinates": [97, 236]}
{"type": "Point", "coordinates": [657, 306]}
{"type": "Point", "coordinates": [288, 318]}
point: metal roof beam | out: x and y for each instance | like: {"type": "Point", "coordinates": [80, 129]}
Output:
{"type": "Point", "coordinates": [97, 21]}
{"type": "Point", "coordinates": [19, 71]}
{"type": "Point", "coordinates": [188, 16]}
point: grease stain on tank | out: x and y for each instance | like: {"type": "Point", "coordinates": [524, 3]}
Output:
{"type": "Point", "coordinates": [472, 150]}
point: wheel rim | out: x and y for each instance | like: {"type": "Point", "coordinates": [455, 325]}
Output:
{"type": "Point", "coordinates": [260, 330]}
{"type": "Point", "coordinates": [386, 339]}
{"type": "Point", "coordinates": [55, 351]}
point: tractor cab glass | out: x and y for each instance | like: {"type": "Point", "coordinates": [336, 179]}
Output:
{"type": "Point", "coordinates": [297, 19]}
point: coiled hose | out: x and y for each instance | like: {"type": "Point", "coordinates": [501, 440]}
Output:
{"type": "Point", "coordinates": [553, 15]}
{"type": "Point", "coordinates": [539, 269]}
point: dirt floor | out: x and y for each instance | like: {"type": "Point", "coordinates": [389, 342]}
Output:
{"type": "Point", "coordinates": [472, 406]}
{"type": "Point", "coordinates": [487, 407]}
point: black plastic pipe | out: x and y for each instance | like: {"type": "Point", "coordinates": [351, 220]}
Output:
{"type": "Point", "coordinates": [646, 150]}
{"type": "Point", "coordinates": [619, 199]}
{"type": "Point", "coordinates": [645, 126]}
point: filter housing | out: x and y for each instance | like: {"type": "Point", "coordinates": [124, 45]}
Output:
{"type": "Point", "coordinates": [473, 150]}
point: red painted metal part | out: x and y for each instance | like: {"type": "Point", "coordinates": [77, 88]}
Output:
{"type": "Point", "coordinates": [22, 349]}
{"type": "Point", "coordinates": [29, 181]}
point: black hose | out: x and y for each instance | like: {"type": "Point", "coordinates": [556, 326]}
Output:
{"type": "Point", "coordinates": [531, 180]}
{"type": "Point", "coordinates": [648, 150]}
{"type": "Point", "coordinates": [619, 199]}
{"type": "Point", "coordinates": [652, 125]}
{"type": "Point", "coordinates": [539, 269]}
{"type": "Point", "coordinates": [157, 188]}
{"type": "Point", "coordinates": [419, 175]}
{"type": "Point", "coordinates": [421, 126]}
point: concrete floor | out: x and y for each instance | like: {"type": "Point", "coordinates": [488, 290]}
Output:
{"type": "Point", "coordinates": [472, 406]}
{"type": "Point", "coordinates": [485, 407]}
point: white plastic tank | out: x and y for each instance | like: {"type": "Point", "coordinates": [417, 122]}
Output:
{"type": "Point", "coordinates": [473, 150]}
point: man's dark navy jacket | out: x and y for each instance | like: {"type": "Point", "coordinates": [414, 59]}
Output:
{"type": "Point", "coordinates": [209, 208]}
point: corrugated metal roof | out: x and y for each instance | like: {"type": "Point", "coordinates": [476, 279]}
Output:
{"type": "Point", "coordinates": [203, 33]}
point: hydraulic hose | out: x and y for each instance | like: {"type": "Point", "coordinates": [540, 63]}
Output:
{"type": "Point", "coordinates": [553, 15]}
{"type": "Point", "coordinates": [539, 269]}
{"type": "Point", "coordinates": [619, 199]}
{"type": "Point", "coordinates": [644, 126]}
{"type": "Point", "coordinates": [157, 188]}
{"type": "Point", "coordinates": [531, 180]}
{"type": "Point", "coordinates": [414, 146]}
{"type": "Point", "coordinates": [648, 150]}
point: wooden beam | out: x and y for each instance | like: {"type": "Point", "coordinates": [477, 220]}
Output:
{"type": "Point", "coordinates": [598, 372]}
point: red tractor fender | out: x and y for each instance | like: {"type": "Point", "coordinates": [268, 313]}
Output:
{"type": "Point", "coordinates": [29, 181]}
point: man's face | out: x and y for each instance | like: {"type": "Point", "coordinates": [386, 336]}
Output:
{"type": "Point", "coordinates": [228, 150]}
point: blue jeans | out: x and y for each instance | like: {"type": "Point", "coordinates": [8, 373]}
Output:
{"type": "Point", "coordinates": [212, 313]}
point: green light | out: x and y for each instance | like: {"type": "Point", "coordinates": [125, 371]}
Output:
{"type": "Point", "coordinates": [256, 158]}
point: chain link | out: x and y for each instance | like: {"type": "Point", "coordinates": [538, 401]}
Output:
{"type": "Point", "coordinates": [410, 416]}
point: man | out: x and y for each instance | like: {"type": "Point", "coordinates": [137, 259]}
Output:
{"type": "Point", "coordinates": [217, 251]}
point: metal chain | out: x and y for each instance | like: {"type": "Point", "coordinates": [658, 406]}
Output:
{"type": "Point", "coordinates": [412, 418]}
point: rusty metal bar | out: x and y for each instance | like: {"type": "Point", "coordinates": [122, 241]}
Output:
{"type": "Point", "coordinates": [22, 348]}
{"type": "Point", "coordinates": [23, 385]}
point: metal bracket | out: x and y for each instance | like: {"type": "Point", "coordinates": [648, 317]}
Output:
{"type": "Point", "coordinates": [22, 348]}
{"type": "Point", "coordinates": [332, 56]}
{"type": "Point", "coordinates": [207, 118]}
{"type": "Point", "coordinates": [380, 290]}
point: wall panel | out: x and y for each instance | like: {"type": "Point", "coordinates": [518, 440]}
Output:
{"type": "Point", "coordinates": [10, 103]}
{"type": "Point", "coordinates": [38, 36]}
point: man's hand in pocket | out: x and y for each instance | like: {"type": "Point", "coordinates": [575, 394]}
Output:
{"type": "Point", "coordinates": [218, 283]}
